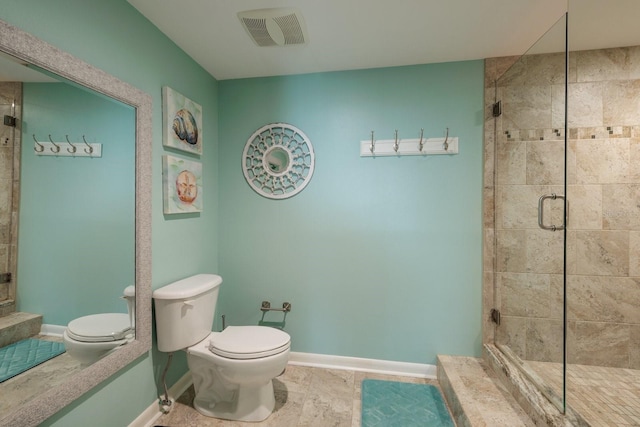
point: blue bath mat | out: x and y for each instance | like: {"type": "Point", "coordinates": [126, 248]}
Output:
{"type": "Point", "coordinates": [22, 355]}
{"type": "Point", "coordinates": [390, 403]}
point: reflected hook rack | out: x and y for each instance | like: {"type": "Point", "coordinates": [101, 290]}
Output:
{"type": "Point", "coordinates": [53, 148]}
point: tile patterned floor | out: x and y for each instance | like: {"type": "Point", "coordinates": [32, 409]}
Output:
{"type": "Point", "coordinates": [603, 396]}
{"type": "Point", "coordinates": [22, 388]}
{"type": "Point", "coordinates": [305, 396]}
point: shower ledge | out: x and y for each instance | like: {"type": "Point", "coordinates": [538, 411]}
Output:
{"type": "Point", "coordinates": [475, 395]}
{"type": "Point", "coordinates": [17, 326]}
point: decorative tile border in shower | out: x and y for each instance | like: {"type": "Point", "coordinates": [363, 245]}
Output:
{"type": "Point", "coordinates": [534, 134]}
{"type": "Point", "coordinates": [556, 134]}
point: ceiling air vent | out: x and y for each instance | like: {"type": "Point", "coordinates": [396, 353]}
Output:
{"type": "Point", "coordinates": [274, 27]}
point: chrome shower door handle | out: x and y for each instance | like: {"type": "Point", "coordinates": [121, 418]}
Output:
{"type": "Point", "coordinates": [541, 200]}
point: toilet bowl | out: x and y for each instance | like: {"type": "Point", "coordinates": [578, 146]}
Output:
{"type": "Point", "coordinates": [89, 338]}
{"type": "Point", "coordinates": [232, 370]}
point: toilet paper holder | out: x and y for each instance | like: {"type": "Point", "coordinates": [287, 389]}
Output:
{"type": "Point", "coordinates": [266, 306]}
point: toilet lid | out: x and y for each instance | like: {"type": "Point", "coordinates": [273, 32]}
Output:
{"type": "Point", "coordinates": [100, 327]}
{"type": "Point", "coordinates": [249, 342]}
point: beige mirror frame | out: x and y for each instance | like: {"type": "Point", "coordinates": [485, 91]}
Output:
{"type": "Point", "coordinates": [32, 50]}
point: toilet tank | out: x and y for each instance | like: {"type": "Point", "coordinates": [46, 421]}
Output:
{"type": "Point", "coordinates": [184, 311]}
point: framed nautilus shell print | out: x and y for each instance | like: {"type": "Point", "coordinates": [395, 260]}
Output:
{"type": "Point", "coordinates": [278, 161]}
{"type": "Point", "coordinates": [181, 122]}
{"type": "Point", "coordinates": [182, 185]}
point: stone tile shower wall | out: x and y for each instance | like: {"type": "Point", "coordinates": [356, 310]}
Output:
{"type": "Point", "coordinates": [10, 101]}
{"type": "Point", "coordinates": [603, 193]}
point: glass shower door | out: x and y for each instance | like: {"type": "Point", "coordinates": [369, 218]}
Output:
{"type": "Point", "coordinates": [530, 188]}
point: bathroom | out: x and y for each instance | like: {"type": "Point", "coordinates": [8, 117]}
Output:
{"type": "Point", "coordinates": [364, 258]}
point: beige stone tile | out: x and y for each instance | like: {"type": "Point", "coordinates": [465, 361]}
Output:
{"type": "Point", "coordinates": [634, 62]}
{"type": "Point", "coordinates": [586, 103]}
{"type": "Point", "coordinates": [321, 411]}
{"type": "Point", "coordinates": [525, 294]}
{"type": "Point", "coordinates": [544, 340]}
{"type": "Point", "coordinates": [634, 254]}
{"type": "Point", "coordinates": [621, 207]}
{"type": "Point", "coordinates": [527, 107]}
{"type": "Point", "coordinates": [545, 162]}
{"type": "Point", "coordinates": [603, 253]}
{"type": "Point", "coordinates": [512, 75]}
{"type": "Point", "coordinates": [544, 251]}
{"type": "Point", "coordinates": [488, 249]}
{"type": "Point", "coordinates": [556, 304]}
{"type": "Point", "coordinates": [603, 64]}
{"type": "Point", "coordinates": [602, 161]}
{"type": "Point", "coordinates": [603, 299]}
{"type": "Point", "coordinates": [518, 205]}
{"type": "Point", "coordinates": [634, 344]}
{"type": "Point", "coordinates": [511, 163]}
{"type": "Point", "coordinates": [512, 333]}
{"type": "Point", "coordinates": [621, 105]}
{"type": "Point", "coordinates": [558, 103]}
{"type": "Point", "coordinates": [585, 207]}
{"type": "Point", "coordinates": [295, 379]}
{"type": "Point", "coordinates": [511, 251]}
{"type": "Point", "coordinates": [601, 344]}
{"type": "Point", "coordinates": [545, 70]}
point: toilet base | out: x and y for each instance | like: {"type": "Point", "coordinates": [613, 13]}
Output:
{"type": "Point", "coordinates": [249, 403]}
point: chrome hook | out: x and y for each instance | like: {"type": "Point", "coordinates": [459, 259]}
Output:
{"type": "Point", "coordinates": [372, 147]}
{"type": "Point", "coordinates": [39, 145]}
{"type": "Point", "coordinates": [90, 147]}
{"type": "Point", "coordinates": [73, 148]}
{"type": "Point", "coordinates": [396, 144]}
{"type": "Point", "coordinates": [421, 143]}
{"type": "Point", "coordinates": [57, 149]}
{"type": "Point", "coordinates": [445, 144]}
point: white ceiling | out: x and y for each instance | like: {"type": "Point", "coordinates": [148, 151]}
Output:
{"type": "Point", "coordinates": [353, 34]}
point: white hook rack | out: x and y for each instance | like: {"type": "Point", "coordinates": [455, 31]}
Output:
{"type": "Point", "coordinates": [409, 147]}
{"type": "Point", "coordinates": [51, 148]}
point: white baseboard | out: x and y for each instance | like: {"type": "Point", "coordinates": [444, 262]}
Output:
{"type": "Point", "coordinates": [405, 369]}
{"type": "Point", "coordinates": [153, 412]}
{"type": "Point", "coordinates": [52, 330]}
{"type": "Point", "coordinates": [387, 367]}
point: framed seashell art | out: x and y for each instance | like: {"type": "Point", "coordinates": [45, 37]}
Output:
{"type": "Point", "coordinates": [181, 122]}
{"type": "Point", "coordinates": [182, 185]}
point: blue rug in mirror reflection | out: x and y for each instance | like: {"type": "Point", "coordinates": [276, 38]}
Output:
{"type": "Point", "coordinates": [23, 355]}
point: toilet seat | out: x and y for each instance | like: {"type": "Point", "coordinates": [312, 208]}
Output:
{"type": "Point", "coordinates": [249, 342]}
{"type": "Point", "coordinates": [103, 327]}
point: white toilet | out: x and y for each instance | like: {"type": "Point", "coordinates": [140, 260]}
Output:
{"type": "Point", "coordinates": [90, 338]}
{"type": "Point", "coordinates": [232, 370]}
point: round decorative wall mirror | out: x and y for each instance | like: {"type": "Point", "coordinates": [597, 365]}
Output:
{"type": "Point", "coordinates": [278, 161]}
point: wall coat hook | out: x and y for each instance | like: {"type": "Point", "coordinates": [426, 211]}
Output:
{"type": "Point", "coordinates": [71, 150]}
{"type": "Point", "coordinates": [372, 148]}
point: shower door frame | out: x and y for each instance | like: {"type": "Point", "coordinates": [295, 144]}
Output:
{"type": "Point", "coordinates": [495, 315]}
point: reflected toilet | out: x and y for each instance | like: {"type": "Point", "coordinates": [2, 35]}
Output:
{"type": "Point", "coordinates": [90, 338]}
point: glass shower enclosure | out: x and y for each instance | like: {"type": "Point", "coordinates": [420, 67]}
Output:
{"type": "Point", "coordinates": [567, 216]}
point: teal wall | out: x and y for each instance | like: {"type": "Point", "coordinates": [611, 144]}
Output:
{"type": "Point", "coordinates": [379, 257]}
{"type": "Point", "coordinates": [76, 214]}
{"type": "Point", "coordinates": [113, 36]}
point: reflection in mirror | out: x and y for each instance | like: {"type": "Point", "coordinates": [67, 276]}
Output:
{"type": "Point", "coordinates": [75, 229]}
{"type": "Point", "coordinates": [277, 160]}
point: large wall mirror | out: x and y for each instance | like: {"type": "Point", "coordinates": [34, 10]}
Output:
{"type": "Point", "coordinates": [83, 229]}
